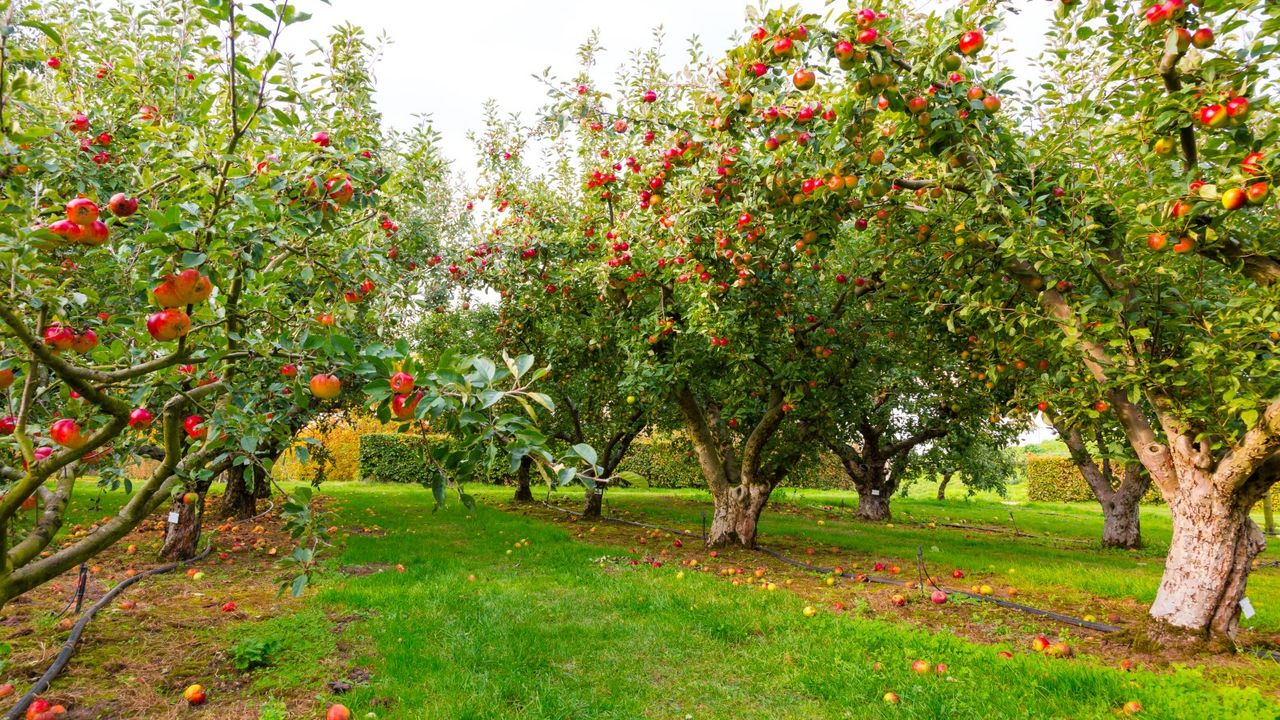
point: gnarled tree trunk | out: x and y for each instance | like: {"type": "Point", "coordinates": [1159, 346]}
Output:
{"type": "Point", "coordinates": [1214, 543]}
{"type": "Point", "coordinates": [1119, 498]}
{"type": "Point", "coordinates": [737, 515]}
{"type": "Point", "coordinates": [595, 501]}
{"type": "Point", "coordinates": [740, 483]}
{"type": "Point", "coordinates": [942, 486]}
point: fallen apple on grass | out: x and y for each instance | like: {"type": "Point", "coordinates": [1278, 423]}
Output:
{"type": "Point", "coordinates": [194, 694]}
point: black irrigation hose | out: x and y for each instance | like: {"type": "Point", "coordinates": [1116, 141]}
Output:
{"type": "Point", "coordinates": [69, 646]}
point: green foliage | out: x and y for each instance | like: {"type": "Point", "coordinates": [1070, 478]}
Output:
{"type": "Point", "coordinates": [665, 459]}
{"type": "Point", "coordinates": [1055, 478]}
{"type": "Point", "coordinates": [252, 653]}
{"type": "Point", "coordinates": [395, 458]}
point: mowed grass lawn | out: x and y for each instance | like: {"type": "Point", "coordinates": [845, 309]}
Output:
{"type": "Point", "coordinates": [1065, 563]}
{"type": "Point", "coordinates": [546, 630]}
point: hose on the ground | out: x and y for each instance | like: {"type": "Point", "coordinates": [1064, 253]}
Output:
{"type": "Point", "coordinates": [68, 648]}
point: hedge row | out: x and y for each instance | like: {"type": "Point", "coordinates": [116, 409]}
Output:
{"type": "Point", "coordinates": [1054, 478]}
{"type": "Point", "coordinates": [667, 460]}
{"type": "Point", "coordinates": [340, 438]}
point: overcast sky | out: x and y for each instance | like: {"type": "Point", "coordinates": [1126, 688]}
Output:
{"type": "Point", "coordinates": [446, 58]}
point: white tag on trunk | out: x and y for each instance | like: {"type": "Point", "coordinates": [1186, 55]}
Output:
{"type": "Point", "coordinates": [875, 492]}
{"type": "Point", "coordinates": [173, 518]}
{"type": "Point", "coordinates": [1246, 608]}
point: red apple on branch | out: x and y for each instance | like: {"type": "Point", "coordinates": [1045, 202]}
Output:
{"type": "Point", "coordinates": [168, 324]}
{"type": "Point", "coordinates": [66, 432]}
{"type": "Point", "coordinates": [194, 427]}
{"type": "Point", "coordinates": [141, 418]}
{"type": "Point", "coordinates": [325, 386]}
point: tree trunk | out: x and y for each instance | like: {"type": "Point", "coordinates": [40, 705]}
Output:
{"type": "Point", "coordinates": [1268, 519]}
{"type": "Point", "coordinates": [942, 486]}
{"type": "Point", "coordinates": [595, 499]}
{"type": "Point", "coordinates": [1120, 523]}
{"type": "Point", "coordinates": [1214, 543]}
{"type": "Point", "coordinates": [182, 537]}
{"type": "Point", "coordinates": [873, 507]}
{"type": "Point", "coordinates": [737, 515]}
{"type": "Point", "coordinates": [239, 501]}
{"type": "Point", "coordinates": [523, 492]}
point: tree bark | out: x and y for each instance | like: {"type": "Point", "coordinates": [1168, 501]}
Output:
{"type": "Point", "coordinates": [239, 501]}
{"type": "Point", "coordinates": [872, 506]}
{"type": "Point", "coordinates": [1268, 518]}
{"type": "Point", "coordinates": [523, 492]}
{"type": "Point", "coordinates": [1214, 543]}
{"type": "Point", "coordinates": [1120, 523]}
{"type": "Point", "coordinates": [595, 499]}
{"type": "Point", "coordinates": [736, 516]}
{"type": "Point", "coordinates": [1119, 500]}
{"type": "Point", "coordinates": [942, 486]}
{"type": "Point", "coordinates": [740, 485]}
{"type": "Point", "coordinates": [182, 537]}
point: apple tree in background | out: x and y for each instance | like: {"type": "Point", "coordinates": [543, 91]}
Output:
{"type": "Point", "coordinates": [1121, 225]}
{"type": "Point", "coordinates": [531, 240]}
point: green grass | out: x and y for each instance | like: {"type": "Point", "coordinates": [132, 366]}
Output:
{"type": "Point", "coordinates": [1065, 564]}
{"type": "Point", "coordinates": [546, 631]}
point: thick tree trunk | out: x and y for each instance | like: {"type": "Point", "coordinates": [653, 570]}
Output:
{"type": "Point", "coordinates": [239, 501]}
{"type": "Point", "coordinates": [1120, 523]}
{"type": "Point", "coordinates": [737, 515]}
{"type": "Point", "coordinates": [523, 491]}
{"type": "Point", "coordinates": [595, 499]}
{"type": "Point", "coordinates": [1214, 543]}
{"type": "Point", "coordinates": [182, 537]}
{"type": "Point", "coordinates": [872, 506]}
{"type": "Point", "coordinates": [942, 486]}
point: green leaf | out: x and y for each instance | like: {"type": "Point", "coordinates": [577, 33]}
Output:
{"type": "Point", "coordinates": [586, 452]}
{"type": "Point", "coordinates": [299, 584]}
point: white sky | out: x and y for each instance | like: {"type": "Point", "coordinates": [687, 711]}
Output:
{"type": "Point", "coordinates": [446, 59]}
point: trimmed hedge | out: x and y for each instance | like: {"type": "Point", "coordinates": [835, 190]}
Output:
{"type": "Point", "coordinates": [391, 457]}
{"type": "Point", "coordinates": [667, 460]}
{"type": "Point", "coordinates": [1053, 478]}
{"type": "Point", "coordinates": [340, 438]}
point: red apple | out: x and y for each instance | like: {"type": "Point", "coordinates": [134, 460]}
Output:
{"type": "Point", "coordinates": [325, 386]}
{"type": "Point", "coordinates": [85, 342]}
{"type": "Point", "coordinates": [867, 36]}
{"type": "Point", "coordinates": [53, 63]}
{"type": "Point", "coordinates": [96, 233]}
{"type": "Point", "coordinates": [401, 383]}
{"type": "Point", "coordinates": [917, 104]}
{"type": "Point", "coordinates": [649, 96]}
{"type": "Point", "coordinates": [1238, 108]}
{"type": "Point", "coordinates": [141, 418]}
{"type": "Point", "coordinates": [6, 378]}
{"type": "Point", "coordinates": [898, 600]}
{"type": "Point", "coordinates": [991, 103]}
{"type": "Point", "coordinates": [338, 712]}
{"type": "Point", "coordinates": [321, 138]}
{"type": "Point", "coordinates": [804, 79]}
{"type": "Point", "coordinates": [1157, 241]}
{"type": "Point", "coordinates": [59, 337]}
{"type": "Point", "coordinates": [1214, 116]}
{"type": "Point", "coordinates": [1040, 643]}
{"type": "Point", "coordinates": [168, 324]}
{"type": "Point", "coordinates": [1234, 199]}
{"type": "Point", "coordinates": [920, 667]}
{"type": "Point", "coordinates": [79, 122]}
{"type": "Point", "coordinates": [121, 205]}
{"type": "Point", "coordinates": [339, 189]}
{"type": "Point", "coordinates": [957, 574]}
{"type": "Point", "coordinates": [844, 50]}
{"type": "Point", "coordinates": [403, 407]}
{"type": "Point", "coordinates": [67, 230]}
{"type": "Point", "coordinates": [971, 42]}
{"type": "Point", "coordinates": [194, 427]}
{"type": "Point", "coordinates": [782, 46]}
{"type": "Point", "coordinates": [938, 597]}
{"type": "Point", "coordinates": [1184, 245]}
{"type": "Point", "coordinates": [194, 694]}
{"type": "Point", "coordinates": [66, 432]}
{"type": "Point", "coordinates": [1202, 38]}
{"type": "Point", "coordinates": [1252, 163]}
{"type": "Point", "coordinates": [891, 698]}
{"type": "Point", "coordinates": [1256, 193]}
{"type": "Point", "coordinates": [82, 211]}
{"type": "Point", "coordinates": [289, 370]}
